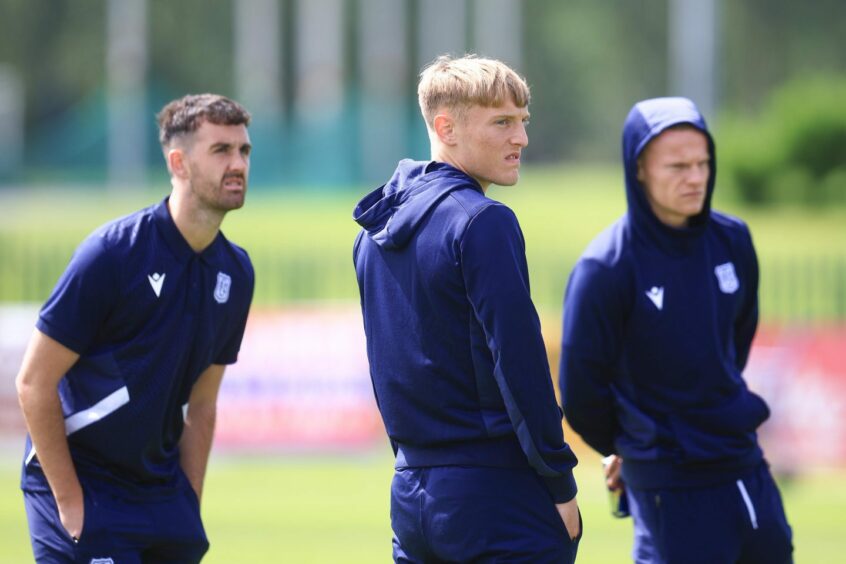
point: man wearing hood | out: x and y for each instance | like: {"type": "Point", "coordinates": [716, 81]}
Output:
{"type": "Point", "coordinates": [458, 365]}
{"type": "Point", "coordinates": [659, 316]}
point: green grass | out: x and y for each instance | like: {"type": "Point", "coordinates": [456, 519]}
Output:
{"type": "Point", "coordinates": [334, 508]}
{"type": "Point", "coordinates": [300, 240]}
{"type": "Point", "coordinates": [560, 208]}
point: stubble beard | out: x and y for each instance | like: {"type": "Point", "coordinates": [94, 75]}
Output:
{"type": "Point", "coordinates": [215, 198]}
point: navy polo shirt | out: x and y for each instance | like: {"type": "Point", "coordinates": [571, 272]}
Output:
{"type": "Point", "coordinates": [147, 315]}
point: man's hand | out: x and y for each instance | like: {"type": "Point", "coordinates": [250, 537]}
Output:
{"type": "Point", "coordinates": [612, 464]}
{"type": "Point", "coordinates": [570, 515]}
{"type": "Point", "coordinates": [45, 362]}
{"type": "Point", "coordinates": [72, 514]}
{"type": "Point", "coordinates": [197, 435]}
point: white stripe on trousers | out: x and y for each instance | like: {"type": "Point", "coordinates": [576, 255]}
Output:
{"type": "Point", "coordinates": [749, 507]}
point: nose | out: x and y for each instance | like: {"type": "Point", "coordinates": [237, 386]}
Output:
{"type": "Point", "coordinates": [240, 161]}
{"type": "Point", "coordinates": [521, 138]}
{"type": "Point", "coordinates": [699, 174]}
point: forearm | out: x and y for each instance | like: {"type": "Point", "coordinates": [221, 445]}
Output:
{"type": "Point", "coordinates": [587, 401]}
{"type": "Point", "coordinates": [529, 398]}
{"type": "Point", "coordinates": [195, 445]}
{"type": "Point", "coordinates": [497, 285]}
{"type": "Point", "coordinates": [42, 413]}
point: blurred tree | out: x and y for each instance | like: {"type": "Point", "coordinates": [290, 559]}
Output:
{"type": "Point", "coordinates": [767, 42]}
{"type": "Point", "coordinates": [587, 63]}
{"type": "Point", "coordinates": [58, 49]}
{"type": "Point", "coordinates": [191, 47]}
{"type": "Point", "coordinates": [794, 150]}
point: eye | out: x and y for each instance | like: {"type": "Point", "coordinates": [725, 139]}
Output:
{"type": "Point", "coordinates": [503, 121]}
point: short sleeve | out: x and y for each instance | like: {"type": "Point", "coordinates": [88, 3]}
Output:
{"type": "Point", "coordinates": [229, 353]}
{"type": "Point", "coordinates": [83, 297]}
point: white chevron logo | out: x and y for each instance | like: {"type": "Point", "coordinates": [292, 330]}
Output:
{"type": "Point", "coordinates": [156, 281]}
{"type": "Point", "coordinates": [656, 294]}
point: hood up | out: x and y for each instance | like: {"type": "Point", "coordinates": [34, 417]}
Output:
{"type": "Point", "coordinates": [647, 120]}
{"type": "Point", "coordinates": [391, 214]}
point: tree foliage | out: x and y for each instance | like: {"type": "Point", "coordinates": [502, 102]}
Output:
{"type": "Point", "coordinates": [587, 63]}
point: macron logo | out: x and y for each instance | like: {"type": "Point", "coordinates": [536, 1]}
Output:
{"type": "Point", "coordinates": [156, 281]}
{"type": "Point", "coordinates": [656, 294]}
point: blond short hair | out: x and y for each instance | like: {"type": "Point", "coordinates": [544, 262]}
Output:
{"type": "Point", "coordinates": [457, 84]}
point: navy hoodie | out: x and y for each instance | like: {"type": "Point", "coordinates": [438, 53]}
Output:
{"type": "Point", "coordinates": [457, 360]}
{"type": "Point", "coordinates": [658, 323]}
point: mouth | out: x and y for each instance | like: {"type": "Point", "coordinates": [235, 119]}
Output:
{"type": "Point", "coordinates": [513, 158]}
{"type": "Point", "coordinates": [234, 182]}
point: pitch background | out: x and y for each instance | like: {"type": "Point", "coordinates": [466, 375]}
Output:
{"type": "Point", "coordinates": [333, 507]}
{"type": "Point", "coordinates": [300, 239]}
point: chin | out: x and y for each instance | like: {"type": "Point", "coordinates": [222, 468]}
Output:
{"type": "Point", "coordinates": [230, 205]}
{"type": "Point", "coordinates": [695, 211]}
{"type": "Point", "coordinates": [507, 180]}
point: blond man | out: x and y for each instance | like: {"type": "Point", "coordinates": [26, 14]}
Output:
{"type": "Point", "coordinates": [456, 356]}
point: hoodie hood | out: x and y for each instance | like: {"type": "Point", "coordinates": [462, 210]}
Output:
{"type": "Point", "coordinates": [391, 214]}
{"type": "Point", "coordinates": [647, 120]}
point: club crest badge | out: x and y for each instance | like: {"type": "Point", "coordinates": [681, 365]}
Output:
{"type": "Point", "coordinates": [727, 278]}
{"type": "Point", "coordinates": [101, 561]}
{"type": "Point", "coordinates": [221, 290]}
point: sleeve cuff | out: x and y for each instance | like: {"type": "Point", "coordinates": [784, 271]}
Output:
{"type": "Point", "coordinates": [226, 360]}
{"type": "Point", "coordinates": [59, 336]}
{"type": "Point", "coordinates": [563, 488]}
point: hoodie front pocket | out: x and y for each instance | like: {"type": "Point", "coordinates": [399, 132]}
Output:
{"type": "Point", "coordinates": [721, 432]}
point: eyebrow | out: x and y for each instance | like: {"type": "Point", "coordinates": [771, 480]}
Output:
{"type": "Point", "coordinates": [500, 116]}
{"type": "Point", "coordinates": [225, 145]}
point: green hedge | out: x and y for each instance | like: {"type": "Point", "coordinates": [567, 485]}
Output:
{"type": "Point", "coordinates": [794, 151]}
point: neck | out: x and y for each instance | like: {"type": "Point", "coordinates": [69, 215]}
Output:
{"type": "Point", "coordinates": [675, 221]}
{"type": "Point", "coordinates": [441, 155]}
{"type": "Point", "coordinates": [197, 224]}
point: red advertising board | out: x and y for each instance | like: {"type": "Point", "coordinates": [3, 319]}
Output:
{"type": "Point", "coordinates": [301, 382]}
{"type": "Point", "coordinates": [802, 375]}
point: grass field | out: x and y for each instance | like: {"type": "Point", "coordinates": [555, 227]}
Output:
{"type": "Point", "coordinates": [334, 508]}
{"type": "Point", "coordinates": [300, 240]}
{"type": "Point", "coordinates": [560, 208]}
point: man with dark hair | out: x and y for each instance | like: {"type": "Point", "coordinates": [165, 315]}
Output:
{"type": "Point", "coordinates": [119, 383]}
{"type": "Point", "coordinates": [659, 316]}
{"type": "Point", "coordinates": [456, 356]}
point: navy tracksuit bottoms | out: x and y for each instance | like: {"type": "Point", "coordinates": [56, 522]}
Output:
{"type": "Point", "coordinates": [476, 514]}
{"type": "Point", "coordinates": [117, 530]}
{"type": "Point", "coordinates": [738, 522]}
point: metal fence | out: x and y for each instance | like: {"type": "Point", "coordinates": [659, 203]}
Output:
{"type": "Point", "coordinates": [794, 290]}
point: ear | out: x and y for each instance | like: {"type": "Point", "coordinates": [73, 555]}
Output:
{"type": "Point", "coordinates": [176, 163]}
{"type": "Point", "coordinates": [444, 125]}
